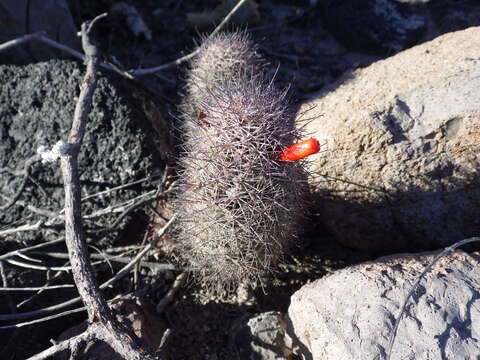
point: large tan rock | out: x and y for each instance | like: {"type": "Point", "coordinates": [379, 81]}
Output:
{"type": "Point", "coordinates": [402, 166]}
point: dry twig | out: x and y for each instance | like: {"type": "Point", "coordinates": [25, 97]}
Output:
{"type": "Point", "coordinates": [36, 288]}
{"type": "Point", "coordinates": [87, 335]}
{"type": "Point", "coordinates": [27, 227]}
{"type": "Point", "coordinates": [143, 72]}
{"type": "Point", "coordinates": [177, 284]}
{"type": "Point", "coordinates": [50, 280]}
{"type": "Point", "coordinates": [42, 38]}
{"type": "Point", "coordinates": [18, 193]}
{"type": "Point", "coordinates": [53, 308]}
{"type": "Point", "coordinates": [46, 318]}
{"type": "Point", "coordinates": [153, 266]}
{"type": "Point", "coordinates": [102, 323]}
{"type": "Point", "coordinates": [30, 248]}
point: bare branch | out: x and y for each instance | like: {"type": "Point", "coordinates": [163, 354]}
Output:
{"type": "Point", "coordinates": [123, 186]}
{"type": "Point", "coordinates": [36, 288]}
{"type": "Point", "coordinates": [177, 284]}
{"type": "Point", "coordinates": [30, 248]}
{"type": "Point", "coordinates": [124, 208]}
{"type": "Point", "coordinates": [123, 341]}
{"type": "Point", "coordinates": [46, 318]}
{"type": "Point", "coordinates": [27, 227]}
{"type": "Point", "coordinates": [164, 340]}
{"type": "Point", "coordinates": [65, 345]}
{"type": "Point", "coordinates": [29, 258]}
{"type": "Point", "coordinates": [131, 74]}
{"type": "Point", "coordinates": [52, 222]}
{"type": "Point", "coordinates": [227, 18]}
{"type": "Point", "coordinates": [122, 273]}
{"type": "Point", "coordinates": [48, 268]}
{"type": "Point", "coordinates": [139, 256]}
{"type": "Point", "coordinates": [40, 37]}
{"type": "Point", "coordinates": [26, 171]}
{"type": "Point", "coordinates": [50, 281]}
{"type": "Point", "coordinates": [154, 266]}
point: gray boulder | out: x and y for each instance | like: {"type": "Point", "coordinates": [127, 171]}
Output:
{"type": "Point", "coordinates": [21, 17]}
{"type": "Point", "coordinates": [261, 337]}
{"type": "Point", "coordinates": [452, 15]}
{"type": "Point", "coordinates": [350, 314]}
{"type": "Point", "coordinates": [401, 171]}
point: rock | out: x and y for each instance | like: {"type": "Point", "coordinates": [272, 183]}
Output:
{"type": "Point", "coordinates": [261, 337]}
{"type": "Point", "coordinates": [133, 19]}
{"type": "Point", "coordinates": [378, 26]}
{"type": "Point", "coordinates": [351, 313]}
{"type": "Point", "coordinates": [451, 15]}
{"type": "Point", "coordinates": [401, 171]}
{"type": "Point", "coordinates": [133, 312]}
{"type": "Point", "coordinates": [120, 145]}
{"type": "Point", "coordinates": [52, 17]}
{"type": "Point", "coordinates": [206, 20]}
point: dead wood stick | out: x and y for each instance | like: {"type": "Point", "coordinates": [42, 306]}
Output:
{"type": "Point", "coordinates": [65, 345]}
{"type": "Point", "coordinates": [18, 193]}
{"type": "Point", "coordinates": [177, 284]}
{"type": "Point", "coordinates": [100, 317]}
{"type": "Point", "coordinates": [40, 37]}
{"type": "Point", "coordinates": [123, 272]}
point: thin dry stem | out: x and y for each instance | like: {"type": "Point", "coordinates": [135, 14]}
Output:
{"type": "Point", "coordinates": [102, 324]}
{"type": "Point", "coordinates": [143, 72]}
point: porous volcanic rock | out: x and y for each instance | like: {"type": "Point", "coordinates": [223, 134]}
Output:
{"type": "Point", "coordinates": [119, 147]}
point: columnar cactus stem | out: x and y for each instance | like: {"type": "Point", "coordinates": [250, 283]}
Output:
{"type": "Point", "coordinates": [238, 206]}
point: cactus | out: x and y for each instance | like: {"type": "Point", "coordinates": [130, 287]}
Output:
{"type": "Point", "coordinates": [238, 206]}
{"type": "Point", "coordinates": [225, 57]}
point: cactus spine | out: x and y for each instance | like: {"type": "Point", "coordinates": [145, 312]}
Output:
{"type": "Point", "coordinates": [238, 206]}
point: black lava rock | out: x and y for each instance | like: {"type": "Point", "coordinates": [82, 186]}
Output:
{"type": "Point", "coordinates": [120, 145]}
